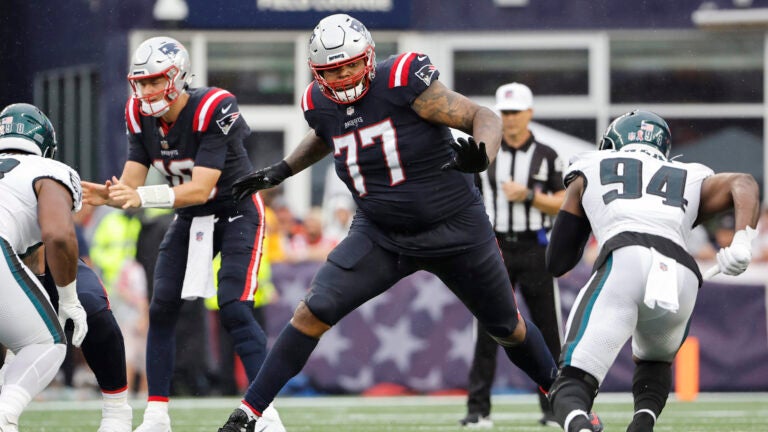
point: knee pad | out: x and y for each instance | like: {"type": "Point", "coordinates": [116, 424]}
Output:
{"type": "Point", "coordinates": [237, 318]}
{"type": "Point", "coordinates": [323, 307]}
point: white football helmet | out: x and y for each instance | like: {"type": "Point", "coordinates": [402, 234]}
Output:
{"type": "Point", "coordinates": [336, 41]}
{"type": "Point", "coordinates": [155, 57]}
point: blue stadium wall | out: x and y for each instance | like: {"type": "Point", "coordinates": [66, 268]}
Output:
{"type": "Point", "coordinates": [44, 35]}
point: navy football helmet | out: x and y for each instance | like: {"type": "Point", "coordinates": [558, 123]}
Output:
{"type": "Point", "coordinates": [339, 40]}
{"type": "Point", "coordinates": [24, 127]}
{"type": "Point", "coordinates": [638, 127]}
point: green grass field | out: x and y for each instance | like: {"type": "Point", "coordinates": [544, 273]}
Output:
{"type": "Point", "coordinates": [711, 412]}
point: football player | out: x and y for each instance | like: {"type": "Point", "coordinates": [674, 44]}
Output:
{"type": "Point", "coordinates": [194, 136]}
{"type": "Point", "coordinates": [641, 207]}
{"type": "Point", "coordinates": [387, 126]}
{"type": "Point", "coordinates": [39, 198]}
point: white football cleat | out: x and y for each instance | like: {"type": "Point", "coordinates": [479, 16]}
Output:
{"type": "Point", "coordinates": [270, 421]}
{"type": "Point", "coordinates": [155, 421]}
{"type": "Point", "coordinates": [116, 418]}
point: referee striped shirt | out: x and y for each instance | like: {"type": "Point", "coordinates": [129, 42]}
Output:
{"type": "Point", "coordinates": [535, 165]}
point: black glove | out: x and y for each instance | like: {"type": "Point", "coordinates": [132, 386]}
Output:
{"type": "Point", "coordinates": [264, 178]}
{"type": "Point", "coordinates": [469, 158]}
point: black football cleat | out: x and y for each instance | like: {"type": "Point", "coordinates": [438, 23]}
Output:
{"type": "Point", "coordinates": [597, 424]}
{"type": "Point", "coordinates": [238, 421]}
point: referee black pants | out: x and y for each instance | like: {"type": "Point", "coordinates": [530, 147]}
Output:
{"type": "Point", "coordinates": [525, 262]}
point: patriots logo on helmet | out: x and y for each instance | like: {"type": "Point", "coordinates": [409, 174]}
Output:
{"type": "Point", "coordinates": [170, 49]}
{"type": "Point", "coordinates": [225, 123]}
{"type": "Point", "coordinates": [425, 73]}
{"type": "Point", "coordinates": [356, 26]}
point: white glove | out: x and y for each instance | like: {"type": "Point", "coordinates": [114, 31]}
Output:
{"type": "Point", "coordinates": [734, 259]}
{"type": "Point", "coordinates": [70, 308]}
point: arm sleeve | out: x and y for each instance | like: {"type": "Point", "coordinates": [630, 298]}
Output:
{"type": "Point", "coordinates": [568, 237]}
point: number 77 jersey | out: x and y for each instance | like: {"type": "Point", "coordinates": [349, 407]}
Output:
{"type": "Point", "coordinates": [635, 190]}
{"type": "Point", "coordinates": [389, 157]}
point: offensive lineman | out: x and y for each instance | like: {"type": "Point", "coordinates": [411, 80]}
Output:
{"type": "Point", "coordinates": [641, 207]}
{"type": "Point", "coordinates": [194, 136]}
{"type": "Point", "coordinates": [39, 198]}
{"type": "Point", "coordinates": [387, 125]}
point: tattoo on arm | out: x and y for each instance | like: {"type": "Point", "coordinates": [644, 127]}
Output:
{"type": "Point", "coordinates": [310, 150]}
{"type": "Point", "coordinates": [438, 104]}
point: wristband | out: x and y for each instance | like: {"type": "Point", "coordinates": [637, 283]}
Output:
{"type": "Point", "coordinates": [68, 292]}
{"type": "Point", "coordinates": [158, 196]}
{"type": "Point", "coordinates": [530, 196]}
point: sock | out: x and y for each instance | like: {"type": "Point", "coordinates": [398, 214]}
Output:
{"type": "Point", "coordinates": [533, 357]}
{"type": "Point", "coordinates": [651, 384]}
{"type": "Point", "coordinates": [573, 390]}
{"type": "Point", "coordinates": [248, 338]}
{"type": "Point", "coordinates": [115, 399]}
{"type": "Point", "coordinates": [287, 357]}
{"type": "Point", "coordinates": [31, 371]}
{"type": "Point", "coordinates": [157, 406]}
{"type": "Point", "coordinates": [104, 351]}
{"type": "Point", "coordinates": [161, 348]}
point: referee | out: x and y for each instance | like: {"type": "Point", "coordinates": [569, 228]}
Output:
{"type": "Point", "coordinates": [522, 188]}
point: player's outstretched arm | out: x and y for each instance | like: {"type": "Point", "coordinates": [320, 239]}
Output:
{"type": "Point", "coordinates": [310, 150]}
{"type": "Point", "coordinates": [439, 104]}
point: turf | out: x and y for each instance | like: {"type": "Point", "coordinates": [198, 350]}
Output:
{"type": "Point", "coordinates": [711, 412]}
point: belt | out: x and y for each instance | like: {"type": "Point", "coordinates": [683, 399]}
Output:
{"type": "Point", "coordinates": [517, 236]}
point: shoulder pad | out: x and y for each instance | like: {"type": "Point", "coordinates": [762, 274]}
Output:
{"type": "Point", "coordinates": [207, 106]}
{"type": "Point", "coordinates": [307, 103]}
{"type": "Point", "coordinates": [132, 116]}
{"type": "Point", "coordinates": [398, 74]}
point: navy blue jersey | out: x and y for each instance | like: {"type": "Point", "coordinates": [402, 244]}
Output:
{"type": "Point", "coordinates": [386, 154]}
{"type": "Point", "coordinates": [209, 132]}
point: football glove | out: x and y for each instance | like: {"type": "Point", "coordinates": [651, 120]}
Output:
{"type": "Point", "coordinates": [734, 259]}
{"type": "Point", "coordinates": [70, 308]}
{"type": "Point", "coordinates": [264, 178]}
{"type": "Point", "coordinates": [470, 157]}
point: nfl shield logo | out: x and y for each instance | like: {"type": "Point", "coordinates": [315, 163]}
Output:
{"type": "Point", "coordinates": [663, 266]}
{"type": "Point", "coordinates": [350, 110]}
{"type": "Point", "coordinates": [199, 236]}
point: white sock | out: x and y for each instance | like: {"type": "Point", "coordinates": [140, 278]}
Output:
{"type": "Point", "coordinates": [157, 406]}
{"type": "Point", "coordinates": [115, 399]}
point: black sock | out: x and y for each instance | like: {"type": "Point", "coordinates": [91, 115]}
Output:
{"type": "Point", "coordinates": [651, 384]}
{"type": "Point", "coordinates": [573, 390]}
{"type": "Point", "coordinates": [287, 357]}
{"type": "Point", "coordinates": [104, 351]}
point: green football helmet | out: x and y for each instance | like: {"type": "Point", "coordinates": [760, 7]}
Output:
{"type": "Point", "coordinates": [638, 127]}
{"type": "Point", "coordinates": [24, 127]}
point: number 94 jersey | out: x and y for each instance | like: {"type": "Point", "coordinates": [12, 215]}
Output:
{"type": "Point", "coordinates": [635, 190]}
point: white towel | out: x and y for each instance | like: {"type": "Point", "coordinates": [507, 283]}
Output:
{"type": "Point", "coordinates": [661, 287]}
{"type": "Point", "coordinates": [198, 279]}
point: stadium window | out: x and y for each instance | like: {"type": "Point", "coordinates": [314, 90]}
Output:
{"type": "Point", "coordinates": [258, 73]}
{"type": "Point", "coordinates": [686, 67]}
{"type": "Point", "coordinates": [548, 71]}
